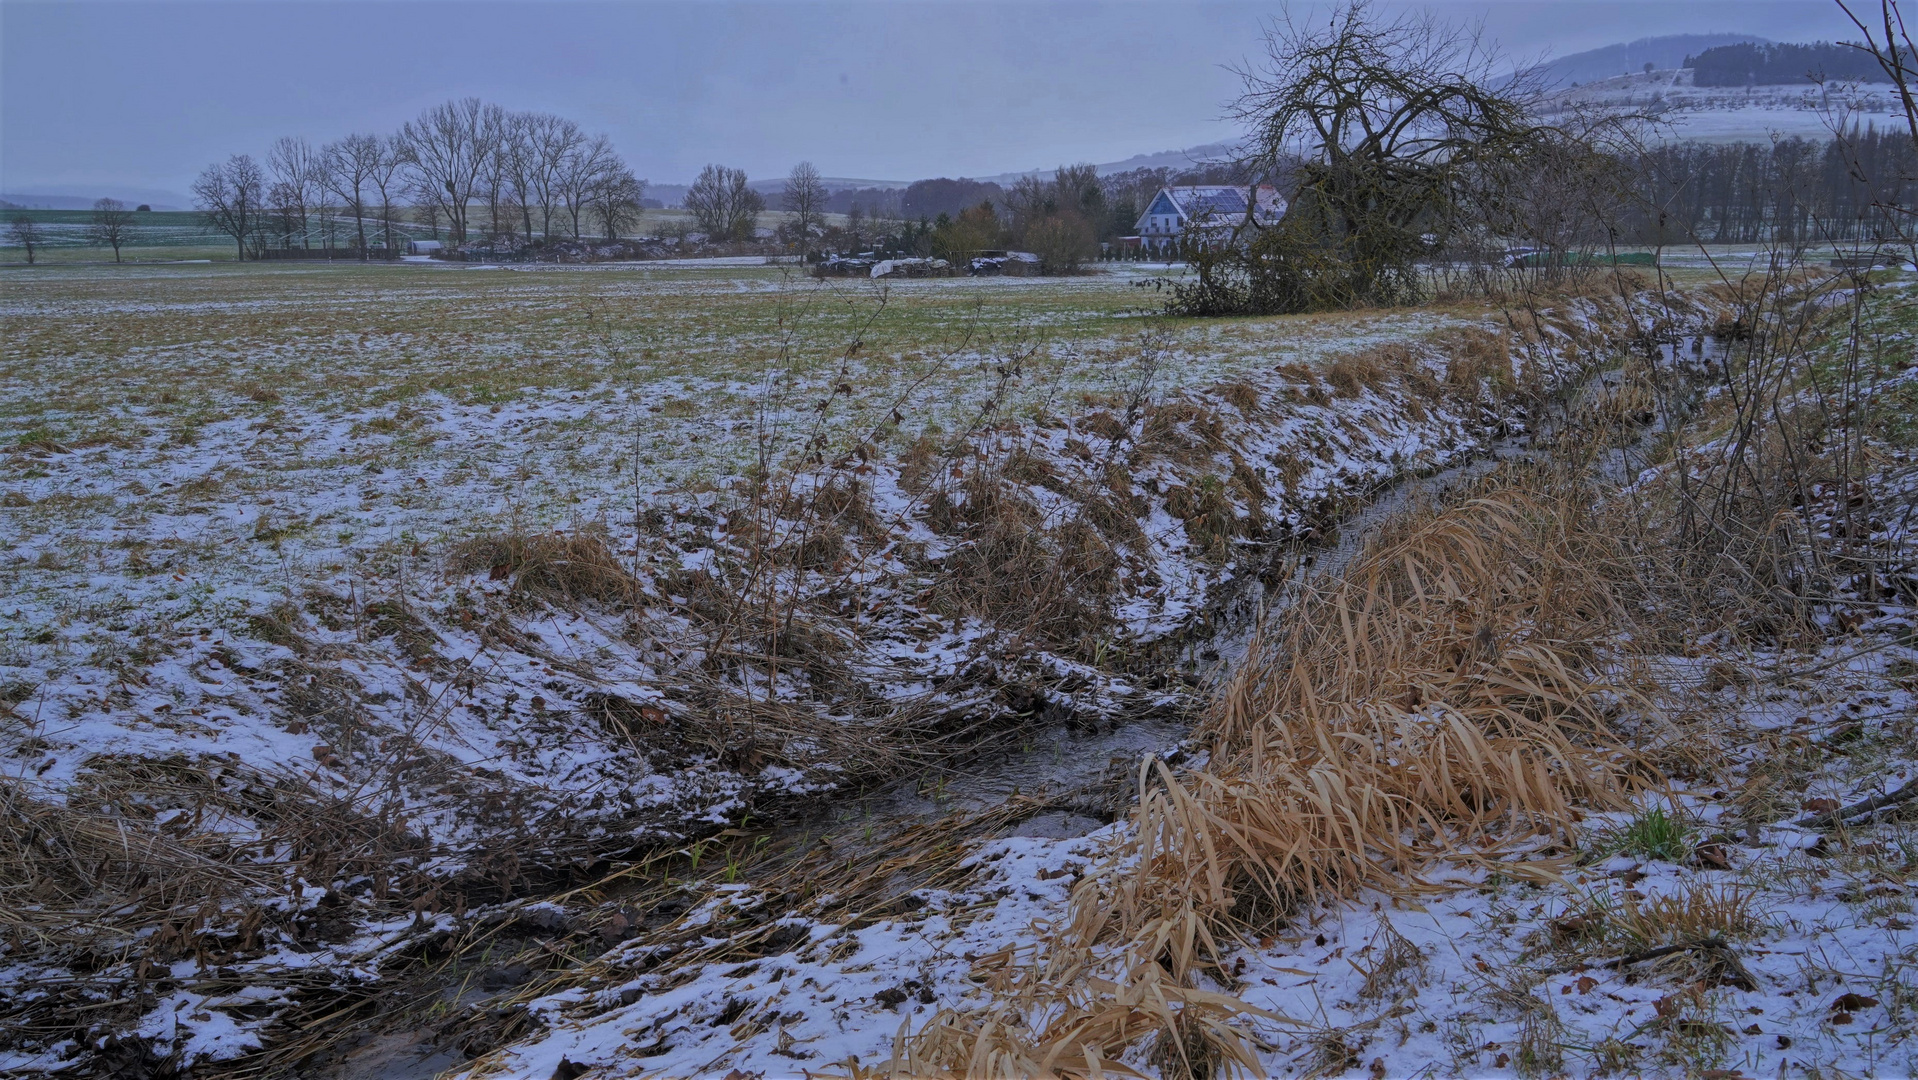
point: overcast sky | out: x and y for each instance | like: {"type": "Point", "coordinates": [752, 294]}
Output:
{"type": "Point", "coordinates": [135, 98]}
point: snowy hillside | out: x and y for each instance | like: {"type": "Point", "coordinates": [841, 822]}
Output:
{"type": "Point", "coordinates": [1733, 114]}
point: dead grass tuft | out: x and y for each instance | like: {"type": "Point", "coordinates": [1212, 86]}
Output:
{"type": "Point", "coordinates": [1356, 372]}
{"type": "Point", "coordinates": [1702, 911]}
{"type": "Point", "coordinates": [75, 877]}
{"type": "Point", "coordinates": [1017, 567]}
{"type": "Point", "coordinates": [1241, 395]}
{"type": "Point", "coordinates": [1477, 358]}
{"type": "Point", "coordinates": [555, 566]}
{"type": "Point", "coordinates": [1395, 962]}
{"type": "Point", "coordinates": [1183, 431]}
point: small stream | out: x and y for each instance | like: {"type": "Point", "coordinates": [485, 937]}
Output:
{"type": "Point", "coordinates": [1087, 774]}
{"type": "Point", "coordinates": [1083, 769]}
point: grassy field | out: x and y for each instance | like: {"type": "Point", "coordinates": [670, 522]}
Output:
{"type": "Point", "coordinates": [669, 366]}
{"type": "Point", "coordinates": [421, 590]}
{"type": "Point", "coordinates": [187, 447]}
{"type": "Point", "coordinates": [183, 235]}
{"type": "Point", "coordinates": [413, 589]}
{"type": "Point", "coordinates": [436, 541]}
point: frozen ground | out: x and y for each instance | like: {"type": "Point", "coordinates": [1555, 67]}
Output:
{"type": "Point", "coordinates": [189, 449]}
{"type": "Point", "coordinates": [1796, 950]}
{"type": "Point", "coordinates": [517, 571]}
{"type": "Point", "coordinates": [1486, 975]}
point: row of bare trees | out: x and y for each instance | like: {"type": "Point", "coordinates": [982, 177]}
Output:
{"type": "Point", "coordinates": [1788, 189]}
{"type": "Point", "coordinates": [537, 175]}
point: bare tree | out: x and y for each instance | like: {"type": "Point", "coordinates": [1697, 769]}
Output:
{"type": "Point", "coordinates": [446, 149]}
{"type": "Point", "coordinates": [1379, 122]}
{"type": "Point", "coordinates": [1890, 43]}
{"type": "Point", "coordinates": [552, 141]}
{"type": "Point", "coordinates": [1064, 242]}
{"type": "Point", "coordinates": [496, 136]}
{"type": "Point", "coordinates": [1391, 112]}
{"type": "Point", "coordinates": [615, 200]}
{"type": "Point", "coordinates": [25, 232]}
{"type": "Point", "coordinates": [856, 224]}
{"type": "Point", "coordinates": [805, 198]}
{"type": "Point", "coordinates": [283, 200]}
{"type": "Point", "coordinates": [229, 197]}
{"type": "Point", "coordinates": [1056, 219]}
{"type": "Point", "coordinates": [723, 205]}
{"type": "Point", "coordinates": [518, 163]}
{"type": "Point", "coordinates": [385, 179]}
{"type": "Point", "coordinates": [1561, 191]}
{"type": "Point", "coordinates": [1030, 199]}
{"type": "Point", "coordinates": [112, 222]}
{"type": "Point", "coordinates": [352, 164]}
{"type": "Point", "coordinates": [1077, 188]}
{"type": "Point", "coordinates": [296, 172]}
{"type": "Point", "coordinates": [582, 172]}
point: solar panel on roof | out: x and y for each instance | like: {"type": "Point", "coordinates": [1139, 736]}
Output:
{"type": "Point", "coordinates": [1215, 201]}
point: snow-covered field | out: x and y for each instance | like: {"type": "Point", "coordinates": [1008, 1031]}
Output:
{"type": "Point", "coordinates": [1714, 929]}
{"type": "Point", "coordinates": [1688, 113]}
{"type": "Point", "coordinates": [515, 574]}
{"type": "Point", "coordinates": [1486, 975]}
{"type": "Point", "coordinates": [483, 570]}
{"type": "Point", "coordinates": [190, 452]}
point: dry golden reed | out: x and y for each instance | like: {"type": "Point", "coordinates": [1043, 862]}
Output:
{"type": "Point", "coordinates": [1438, 700]}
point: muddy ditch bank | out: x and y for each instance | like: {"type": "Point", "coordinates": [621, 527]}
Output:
{"type": "Point", "coordinates": [825, 682]}
{"type": "Point", "coordinates": [806, 893]}
{"type": "Point", "coordinates": [1074, 777]}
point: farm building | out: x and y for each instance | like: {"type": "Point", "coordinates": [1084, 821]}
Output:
{"type": "Point", "coordinates": [1211, 208]}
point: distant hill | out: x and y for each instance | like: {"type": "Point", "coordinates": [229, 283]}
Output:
{"type": "Point", "coordinates": [1663, 53]}
{"type": "Point", "coordinates": [159, 200]}
{"type": "Point", "coordinates": [1164, 159]}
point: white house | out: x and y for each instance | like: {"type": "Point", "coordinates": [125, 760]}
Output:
{"type": "Point", "coordinates": [1213, 208]}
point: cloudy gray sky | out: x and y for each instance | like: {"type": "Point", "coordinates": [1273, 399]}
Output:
{"type": "Point", "coordinates": [136, 98]}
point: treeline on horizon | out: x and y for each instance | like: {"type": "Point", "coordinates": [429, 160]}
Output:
{"type": "Point", "coordinates": [1792, 189]}
{"type": "Point", "coordinates": [1753, 64]}
{"type": "Point", "coordinates": [1789, 189]}
{"type": "Point", "coordinates": [468, 169]}
{"type": "Point", "coordinates": [1120, 201]}
{"type": "Point", "coordinates": [472, 170]}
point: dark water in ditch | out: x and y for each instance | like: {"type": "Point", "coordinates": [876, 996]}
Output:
{"type": "Point", "coordinates": [1081, 770]}
{"type": "Point", "coordinates": [1085, 775]}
